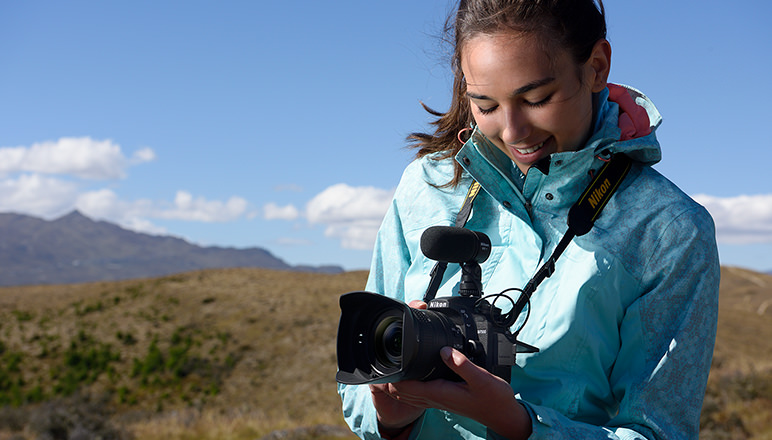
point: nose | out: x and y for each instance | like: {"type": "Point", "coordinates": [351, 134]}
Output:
{"type": "Point", "coordinates": [516, 127]}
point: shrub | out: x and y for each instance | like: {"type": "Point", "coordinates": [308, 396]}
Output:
{"type": "Point", "coordinates": [84, 361]}
{"type": "Point", "coordinates": [75, 418]}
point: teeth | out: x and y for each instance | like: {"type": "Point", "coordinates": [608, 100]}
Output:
{"type": "Point", "coordinates": [530, 150]}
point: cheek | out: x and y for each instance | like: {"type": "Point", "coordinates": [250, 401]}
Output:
{"type": "Point", "coordinates": [488, 128]}
{"type": "Point", "coordinates": [488, 125]}
{"type": "Point", "coordinates": [570, 124]}
{"type": "Point", "coordinates": [583, 124]}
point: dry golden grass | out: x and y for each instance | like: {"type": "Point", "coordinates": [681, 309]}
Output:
{"type": "Point", "coordinates": [267, 340]}
{"type": "Point", "coordinates": [738, 404]}
{"type": "Point", "coordinates": [278, 326]}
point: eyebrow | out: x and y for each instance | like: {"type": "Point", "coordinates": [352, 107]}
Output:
{"type": "Point", "coordinates": [525, 89]}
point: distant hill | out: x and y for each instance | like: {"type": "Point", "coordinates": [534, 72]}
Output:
{"type": "Point", "coordinates": [75, 248]}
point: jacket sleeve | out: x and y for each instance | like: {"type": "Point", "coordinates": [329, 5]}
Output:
{"type": "Point", "coordinates": [390, 255]}
{"type": "Point", "coordinates": [667, 338]}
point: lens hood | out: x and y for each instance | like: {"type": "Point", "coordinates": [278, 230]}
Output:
{"type": "Point", "coordinates": [382, 340]}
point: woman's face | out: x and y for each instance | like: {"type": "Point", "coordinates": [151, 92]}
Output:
{"type": "Point", "coordinates": [529, 102]}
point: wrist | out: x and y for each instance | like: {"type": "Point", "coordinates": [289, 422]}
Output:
{"type": "Point", "coordinates": [395, 432]}
{"type": "Point", "coordinates": [516, 425]}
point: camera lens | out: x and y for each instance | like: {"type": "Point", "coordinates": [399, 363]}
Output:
{"type": "Point", "coordinates": [388, 341]}
{"type": "Point", "coordinates": [383, 340]}
{"type": "Point", "coordinates": [392, 341]}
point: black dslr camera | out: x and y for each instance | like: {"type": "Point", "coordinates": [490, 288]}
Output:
{"type": "Point", "coordinates": [381, 340]}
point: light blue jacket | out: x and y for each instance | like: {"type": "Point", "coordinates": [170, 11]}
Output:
{"type": "Point", "coordinates": [625, 325]}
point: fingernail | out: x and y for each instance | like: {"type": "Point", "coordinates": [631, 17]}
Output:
{"type": "Point", "coordinates": [446, 353]}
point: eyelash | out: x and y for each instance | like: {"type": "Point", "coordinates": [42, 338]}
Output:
{"type": "Point", "coordinates": [542, 103]}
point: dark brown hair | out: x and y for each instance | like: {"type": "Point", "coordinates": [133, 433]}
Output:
{"type": "Point", "coordinates": [574, 25]}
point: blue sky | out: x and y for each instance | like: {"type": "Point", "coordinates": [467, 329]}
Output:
{"type": "Point", "coordinates": [281, 125]}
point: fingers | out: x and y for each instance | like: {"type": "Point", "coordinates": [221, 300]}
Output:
{"type": "Point", "coordinates": [393, 411]}
{"type": "Point", "coordinates": [481, 396]}
{"type": "Point", "coordinates": [461, 365]}
{"type": "Point", "coordinates": [387, 389]}
{"type": "Point", "coordinates": [418, 304]}
{"type": "Point", "coordinates": [377, 388]}
{"type": "Point", "coordinates": [413, 393]}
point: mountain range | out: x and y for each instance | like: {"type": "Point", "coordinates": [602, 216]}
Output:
{"type": "Point", "coordinates": [75, 249]}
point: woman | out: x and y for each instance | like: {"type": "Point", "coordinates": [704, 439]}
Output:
{"type": "Point", "coordinates": [626, 324]}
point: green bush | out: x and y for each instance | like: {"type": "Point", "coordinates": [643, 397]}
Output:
{"type": "Point", "coordinates": [11, 382]}
{"type": "Point", "coordinates": [84, 361]}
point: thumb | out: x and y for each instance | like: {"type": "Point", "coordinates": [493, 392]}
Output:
{"type": "Point", "coordinates": [417, 304]}
{"type": "Point", "coordinates": [461, 365]}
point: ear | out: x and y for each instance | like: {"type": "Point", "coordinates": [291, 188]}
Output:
{"type": "Point", "coordinates": [599, 65]}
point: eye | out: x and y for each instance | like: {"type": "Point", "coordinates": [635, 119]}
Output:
{"type": "Point", "coordinates": [538, 103]}
{"type": "Point", "coordinates": [487, 111]}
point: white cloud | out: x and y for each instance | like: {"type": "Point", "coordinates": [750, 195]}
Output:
{"type": "Point", "coordinates": [352, 214]}
{"type": "Point", "coordinates": [354, 235]}
{"type": "Point", "coordinates": [35, 195]}
{"type": "Point", "coordinates": [272, 211]}
{"type": "Point", "coordinates": [46, 180]}
{"type": "Point", "coordinates": [740, 220]}
{"type": "Point", "coordinates": [186, 207]}
{"type": "Point", "coordinates": [143, 155]}
{"type": "Point", "coordinates": [82, 157]}
{"type": "Point", "coordinates": [104, 204]}
{"type": "Point", "coordinates": [136, 215]}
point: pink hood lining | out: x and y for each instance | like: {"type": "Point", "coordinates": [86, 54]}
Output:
{"type": "Point", "coordinates": [633, 119]}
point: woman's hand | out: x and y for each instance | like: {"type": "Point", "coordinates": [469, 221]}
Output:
{"type": "Point", "coordinates": [482, 396]}
{"type": "Point", "coordinates": [394, 414]}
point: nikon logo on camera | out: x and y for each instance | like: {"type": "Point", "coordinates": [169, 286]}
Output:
{"type": "Point", "coordinates": [597, 195]}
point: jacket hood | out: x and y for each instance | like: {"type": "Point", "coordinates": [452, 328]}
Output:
{"type": "Point", "coordinates": [626, 123]}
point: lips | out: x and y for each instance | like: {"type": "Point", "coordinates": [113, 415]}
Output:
{"type": "Point", "coordinates": [529, 150]}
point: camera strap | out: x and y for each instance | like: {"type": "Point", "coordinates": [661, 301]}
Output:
{"type": "Point", "coordinates": [581, 218]}
{"type": "Point", "coordinates": [463, 215]}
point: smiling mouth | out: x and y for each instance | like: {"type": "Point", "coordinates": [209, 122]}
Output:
{"type": "Point", "coordinates": [530, 150]}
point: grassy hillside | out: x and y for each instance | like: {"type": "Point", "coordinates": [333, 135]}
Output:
{"type": "Point", "coordinates": [250, 353]}
{"type": "Point", "coordinates": [211, 354]}
{"type": "Point", "coordinates": [738, 404]}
